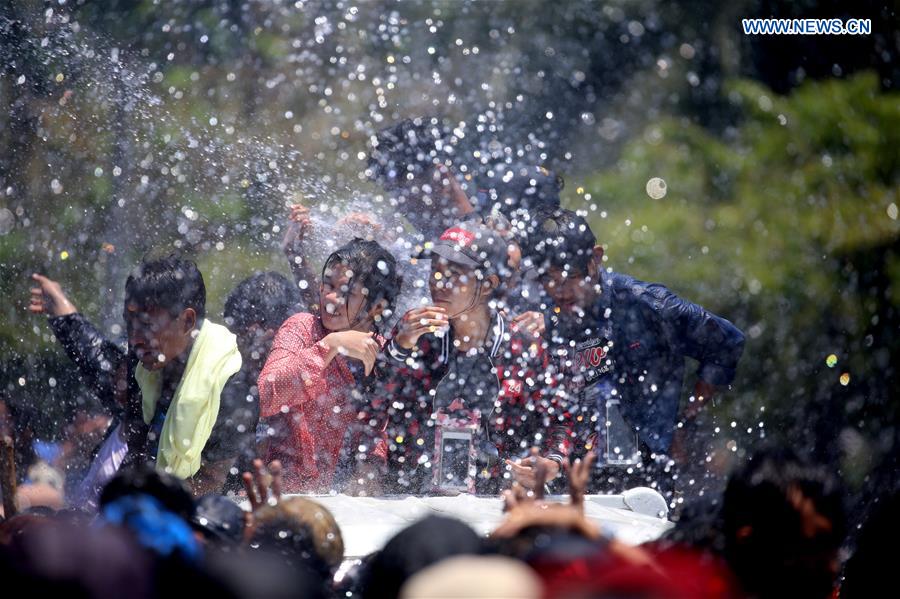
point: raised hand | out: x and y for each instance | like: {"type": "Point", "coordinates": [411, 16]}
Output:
{"type": "Point", "coordinates": [534, 471]}
{"type": "Point", "coordinates": [528, 509]}
{"type": "Point", "coordinates": [449, 187]}
{"type": "Point", "coordinates": [298, 228]}
{"type": "Point", "coordinates": [515, 496]}
{"type": "Point", "coordinates": [418, 322]}
{"type": "Point", "coordinates": [353, 344]}
{"type": "Point", "coordinates": [579, 476]}
{"type": "Point", "coordinates": [531, 323]}
{"type": "Point", "coordinates": [49, 298]}
{"type": "Point", "coordinates": [260, 484]}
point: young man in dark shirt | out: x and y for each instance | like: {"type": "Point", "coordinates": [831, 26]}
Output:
{"type": "Point", "coordinates": [619, 347]}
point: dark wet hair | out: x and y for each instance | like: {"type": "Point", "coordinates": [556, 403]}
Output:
{"type": "Point", "coordinates": [374, 269]}
{"type": "Point", "coordinates": [413, 549]}
{"type": "Point", "coordinates": [219, 520]}
{"type": "Point", "coordinates": [171, 282]}
{"type": "Point", "coordinates": [407, 147]}
{"type": "Point", "coordinates": [279, 533]}
{"type": "Point", "coordinates": [560, 239]}
{"type": "Point", "coordinates": [170, 491]}
{"type": "Point", "coordinates": [762, 524]}
{"type": "Point", "coordinates": [266, 298]}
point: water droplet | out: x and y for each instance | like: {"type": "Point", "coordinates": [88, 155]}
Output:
{"type": "Point", "coordinates": [656, 188]}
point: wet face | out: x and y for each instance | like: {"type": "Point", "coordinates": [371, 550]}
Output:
{"type": "Point", "coordinates": [453, 286]}
{"type": "Point", "coordinates": [568, 289]}
{"type": "Point", "coordinates": [343, 299]}
{"type": "Point", "coordinates": [156, 336]}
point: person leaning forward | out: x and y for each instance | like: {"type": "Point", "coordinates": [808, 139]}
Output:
{"type": "Point", "coordinates": [173, 386]}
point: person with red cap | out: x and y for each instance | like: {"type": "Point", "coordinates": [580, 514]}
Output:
{"type": "Point", "coordinates": [467, 395]}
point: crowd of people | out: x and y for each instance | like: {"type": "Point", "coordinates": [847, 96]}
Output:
{"type": "Point", "coordinates": [513, 362]}
{"type": "Point", "coordinates": [777, 534]}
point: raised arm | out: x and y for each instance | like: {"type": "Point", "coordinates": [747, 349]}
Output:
{"type": "Point", "coordinates": [294, 249]}
{"type": "Point", "coordinates": [96, 357]}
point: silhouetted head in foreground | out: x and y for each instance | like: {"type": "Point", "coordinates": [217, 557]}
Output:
{"type": "Point", "coordinates": [426, 542]}
{"type": "Point", "coordinates": [783, 523]}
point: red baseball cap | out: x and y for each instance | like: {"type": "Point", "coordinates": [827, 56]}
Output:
{"type": "Point", "coordinates": [470, 244]}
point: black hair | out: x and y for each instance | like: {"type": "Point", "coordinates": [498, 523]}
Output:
{"type": "Point", "coordinates": [413, 549]}
{"type": "Point", "coordinates": [763, 525]}
{"type": "Point", "coordinates": [266, 298]}
{"type": "Point", "coordinates": [408, 147]}
{"type": "Point", "coordinates": [171, 282]}
{"type": "Point", "coordinates": [373, 268]}
{"type": "Point", "coordinates": [219, 520]}
{"type": "Point", "coordinates": [560, 239]}
{"type": "Point", "coordinates": [169, 490]}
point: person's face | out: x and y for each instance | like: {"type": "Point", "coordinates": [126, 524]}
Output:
{"type": "Point", "coordinates": [342, 300]}
{"type": "Point", "coordinates": [156, 336]}
{"type": "Point", "coordinates": [254, 343]}
{"type": "Point", "coordinates": [568, 289]}
{"type": "Point", "coordinates": [453, 286]}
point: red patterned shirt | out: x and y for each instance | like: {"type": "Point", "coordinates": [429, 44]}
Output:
{"type": "Point", "coordinates": [308, 404]}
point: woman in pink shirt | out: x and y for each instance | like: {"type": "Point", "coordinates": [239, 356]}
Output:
{"type": "Point", "coordinates": [312, 387]}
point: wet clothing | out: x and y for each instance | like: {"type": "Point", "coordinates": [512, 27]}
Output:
{"type": "Point", "coordinates": [317, 413]}
{"type": "Point", "coordinates": [503, 381]}
{"type": "Point", "coordinates": [98, 359]}
{"type": "Point", "coordinates": [191, 414]}
{"type": "Point", "coordinates": [631, 345]}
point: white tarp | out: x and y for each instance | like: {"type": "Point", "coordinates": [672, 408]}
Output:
{"type": "Point", "coordinates": [367, 523]}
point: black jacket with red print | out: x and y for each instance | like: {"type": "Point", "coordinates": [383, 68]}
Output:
{"type": "Point", "coordinates": [511, 387]}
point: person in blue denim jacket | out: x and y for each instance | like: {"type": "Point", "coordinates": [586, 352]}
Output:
{"type": "Point", "coordinates": [620, 344]}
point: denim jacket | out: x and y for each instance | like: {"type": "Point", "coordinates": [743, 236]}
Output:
{"type": "Point", "coordinates": [652, 330]}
